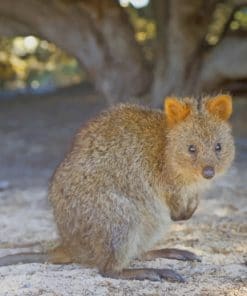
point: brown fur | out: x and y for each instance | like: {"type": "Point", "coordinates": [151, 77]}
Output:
{"type": "Point", "coordinates": [175, 111]}
{"type": "Point", "coordinates": [129, 170]}
{"type": "Point", "coordinates": [220, 106]}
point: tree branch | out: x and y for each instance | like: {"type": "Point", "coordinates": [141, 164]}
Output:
{"type": "Point", "coordinates": [227, 61]}
{"type": "Point", "coordinates": [97, 33]}
{"type": "Point", "coordinates": [13, 27]}
{"type": "Point", "coordinates": [188, 24]}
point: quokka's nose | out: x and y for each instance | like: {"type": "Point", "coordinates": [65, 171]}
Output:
{"type": "Point", "coordinates": [208, 172]}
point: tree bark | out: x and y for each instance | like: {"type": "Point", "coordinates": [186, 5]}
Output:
{"type": "Point", "coordinates": [187, 27]}
{"type": "Point", "coordinates": [161, 12]}
{"type": "Point", "coordinates": [10, 27]}
{"type": "Point", "coordinates": [226, 62]}
{"type": "Point", "coordinates": [96, 32]}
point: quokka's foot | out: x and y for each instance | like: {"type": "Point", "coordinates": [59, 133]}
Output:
{"type": "Point", "coordinates": [172, 254]}
{"type": "Point", "coordinates": [151, 274]}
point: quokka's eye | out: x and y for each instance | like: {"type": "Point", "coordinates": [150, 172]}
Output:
{"type": "Point", "coordinates": [192, 149]}
{"type": "Point", "coordinates": [217, 147]}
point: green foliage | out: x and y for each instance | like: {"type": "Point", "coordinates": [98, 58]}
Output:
{"type": "Point", "coordinates": [28, 62]}
{"type": "Point", "coordinates": [145, 31]}
{"type": "Point", "coordinates": [221, 16]}
{"type": "Point", "coordinates": [239, 21]}
{"type": "Point", "coordinates": [225, 18]}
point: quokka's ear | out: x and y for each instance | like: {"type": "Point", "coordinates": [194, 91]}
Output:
{"type": "Point", "coordinates": [175, 111]}
{"type": "Point", "coordinates": [220, 106]}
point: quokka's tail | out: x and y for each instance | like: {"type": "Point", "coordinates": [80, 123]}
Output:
{"type": "Point", "coordinates": [59, 255]}
{"type": "Point", "coordinates": [23, 258]}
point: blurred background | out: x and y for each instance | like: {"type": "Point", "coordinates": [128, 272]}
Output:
{"type": "Point", "coordinates": [125, 48]}
{"type": "Point", "coordinates": [62, 62]}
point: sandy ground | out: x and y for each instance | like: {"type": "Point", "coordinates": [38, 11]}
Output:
{"type": "Point", "coordinates": [34, 134]}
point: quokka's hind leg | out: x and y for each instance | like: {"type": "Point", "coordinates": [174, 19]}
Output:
{"type": "Point", "coordinates": [111, 270]}
{"type": "Point", "coordinates": [171, 254]}
{"type": "Point", "coordinates": [141, 274]}
{"type": "Point", "coordinates": [59, 255]}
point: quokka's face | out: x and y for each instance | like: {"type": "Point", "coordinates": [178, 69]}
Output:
{"type": "Point", "coordinates": [199, 139]}
{"type": "Point", "coordinates": [201, 147]}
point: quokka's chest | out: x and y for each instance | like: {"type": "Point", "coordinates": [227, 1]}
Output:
{"type": "Point", "coordinates": [155, 225]}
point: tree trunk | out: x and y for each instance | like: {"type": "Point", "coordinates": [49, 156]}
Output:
{"type": "Point", "coordinates": [161, 11]}
{"type": "Point", "coordinates": [96, 32]}
{"type": "Point", "coordinates": [226, 62]}
{"type": "Point", "coordinates": [187, 27]}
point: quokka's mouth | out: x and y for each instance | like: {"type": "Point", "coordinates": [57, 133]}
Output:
{"type": "Point", "coordinates": [181, 217]}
